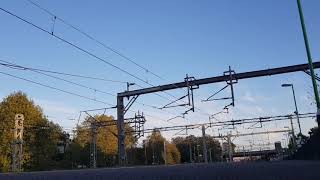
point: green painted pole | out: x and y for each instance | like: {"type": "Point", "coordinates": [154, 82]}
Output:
{"type": "Point", "coordinates": [306, 42]}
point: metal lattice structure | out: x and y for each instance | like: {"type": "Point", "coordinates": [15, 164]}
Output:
{"type": "Point", "coordinates": [230, 77]}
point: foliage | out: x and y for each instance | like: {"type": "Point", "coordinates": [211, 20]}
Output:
{"type": "Point", "coordinates": [155, 150]}
{"type": "Point", "coordinates": [191, 148]}
{"type": "Point", "coordinates": [107, 142]}
{"type": "Point", "coordinates": [40, 136]}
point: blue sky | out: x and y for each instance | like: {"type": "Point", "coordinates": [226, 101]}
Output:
{"type": "Point", "coordinates": [171, 38]}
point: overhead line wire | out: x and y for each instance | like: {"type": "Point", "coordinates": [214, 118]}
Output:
{"type": "Point", "coordinates": [107, 47]}
{"type": "Point", "coordinates": [73, 45]}
{"type": "Point", "coordinates": [19, 67]}
{"type": "Point", "coordinates": [82, 49]}
{"type": "Point", "coordinates": [62, 73]}
{"type": "Point", "coordinates": [95, 39]}
{"type": "Point", "coordinates": [57, 89]}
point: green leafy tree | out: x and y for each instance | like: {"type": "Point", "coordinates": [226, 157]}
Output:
{"type": "Point", "coordinates": [40, 136]}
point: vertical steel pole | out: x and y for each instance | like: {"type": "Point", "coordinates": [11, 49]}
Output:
{"type": "Point", "coordinates": [198, 153]}
{"type": "Point", "coordinates": [190, 153]}
{"type": "Point", "coordinates": [293, 135]}
{"type": "Point", "coordinates": [145, 152]}
{"type": "Point", "coordinates": [306, 42]}
{"type": "Point", "coordinates": [121, 132]}
{"type": "Point", "coordinates": [194, 153]}
{"type": "Point", "coordinates": [230, 148]}
{"type": "Point", "coordinates": [164, 153]}
{"type": "Point", "coordinates": [297, 112]}
{"type": "Point", "coordinates": [93, 145]}
{"type": "Point", "coordinates": [205, 152]}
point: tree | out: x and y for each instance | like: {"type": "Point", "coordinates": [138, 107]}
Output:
{"type": "Point", "coordinates": [173, 155]}
{"type": "Point", "coordinates": [107, 141]}
{"type": "Point", "coordinates": [40, 136]}
{"type": "Point", "coordinates": [191, 148]}
{"type": "Point", "coordinates": [155, 150]}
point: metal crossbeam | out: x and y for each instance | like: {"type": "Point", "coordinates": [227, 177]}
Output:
{"type": "Point", "coordinates": [237, 76]}
{"type": "Point", "coordinates": [188, 84]}
{"type": "Point", "coordinates": [253, 133]}
{"type": "Point", "coordinates": [231, 122]}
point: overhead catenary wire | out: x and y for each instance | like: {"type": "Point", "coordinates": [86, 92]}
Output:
{"type": "Point", "coordinates": [107, 47]}
{"type": "Point", "coordinates": [55, 88]}
{"type": "Point", "coordinates": [95, 39]}
{"type": "Point", "coordinates": [75, 46]}
{"type": "Point", "coordinates": [84, 51]}
{"type": "Point", "coordinates": [19, 67]}
{"type": "Point", "coordinates": [7, 63]}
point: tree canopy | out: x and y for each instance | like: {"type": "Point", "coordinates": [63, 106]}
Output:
{"type": "Point", "coordinates": [107, 142]}
{"type": "Point", "coordinates": [191, 148]}
{"type": "Point", "coordinates": [40, 136]}
{"type": "Point", "coordinates": [155, 145]}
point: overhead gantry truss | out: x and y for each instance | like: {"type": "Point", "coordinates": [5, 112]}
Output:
{"type": "Point", "coordinates": [189, 84]}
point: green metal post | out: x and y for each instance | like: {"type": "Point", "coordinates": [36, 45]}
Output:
{"type": "Point", "coordinates": [314, 83]}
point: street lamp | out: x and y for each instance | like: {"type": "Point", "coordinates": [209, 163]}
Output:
{"type": "Point", "coordinates": [295, 104]}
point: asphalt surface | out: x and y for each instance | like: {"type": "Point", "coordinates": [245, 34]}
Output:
{"type": "Point", "coordinates": [282, 170]}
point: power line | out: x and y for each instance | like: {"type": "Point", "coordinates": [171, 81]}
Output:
{"type": "Point", "coordinates": [232, 122]}
{"type": "Point", "coordinates": [19, 67]}
{"type": "Point", "coordinates": [75, 46]}
{"type": "Point", "coordinates": [105, 46]}
{"type": "Point", "coordinates": [61, 73]}
{"type": "Point", "coordinates": [84, 50]}
{"type": "Point", "coordinates": [95, 39]}
{"type": "Point", "coordinates": [57, 89]}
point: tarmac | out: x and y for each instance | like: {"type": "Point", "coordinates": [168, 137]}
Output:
{"type": "Point", "coordinates": [280, 170]}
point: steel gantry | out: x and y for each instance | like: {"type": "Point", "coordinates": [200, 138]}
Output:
{"type": "Point", "coordinates": [189, 84]}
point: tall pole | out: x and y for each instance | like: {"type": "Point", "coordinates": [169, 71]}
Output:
{"type": "Point", "coordinates": [190, 153]}
{"type": "Point", "coordinates": [121, 133]}
{"type": "Point", "coordinates": [145, 152]}
{"type": "Point", "coordinates": [295, 104]}
{"type": "Point", "coordinates": [198, 152]}
{"type": "Point", "coordinates": [205, 153]}
{"type": "Point", "coordinates": [230, 147]}
{"type": "Point", "coordinates": [297, 112]}
{"type": "Point", "coordinates": [164, 153]}
{"type": "Point", "coordinates": [293, 135]}
{"type": "Point", "coordinates": [93, 145]}
{"type": "Point", "coordinates": [306, 42]}
{"type": "Point", "coordinates": [194, 153]}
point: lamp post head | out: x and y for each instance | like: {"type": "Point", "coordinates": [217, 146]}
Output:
{"type": "Point", "coordinates": [287, 85]}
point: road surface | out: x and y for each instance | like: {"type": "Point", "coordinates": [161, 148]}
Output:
{"type": "Point", "coordinates": [282, 170]}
